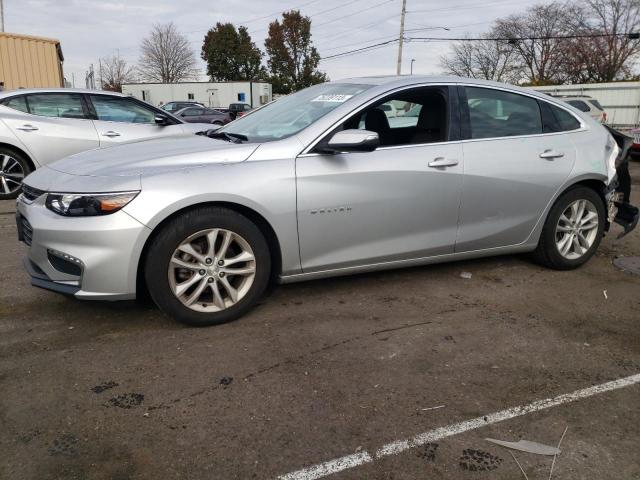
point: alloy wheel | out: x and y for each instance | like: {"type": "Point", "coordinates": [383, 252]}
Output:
{"type": "Point", "coordinates": [11, 174]}
{"type": "Point", "coordinates": [577, 229]}
{"type": "Point", "coordinates": [212, 270]}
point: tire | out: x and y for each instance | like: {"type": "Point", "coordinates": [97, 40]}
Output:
{"type": "Point", "coordinates": [217, 122]}
{"type": "Point", "coordinates": [553, 239]}
{"type": "Point", "coordinates": [13, 168]}
{"type": "Point", "coordinates": [191, 232]}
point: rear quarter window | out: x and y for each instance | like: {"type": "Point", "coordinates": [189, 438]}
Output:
{"type": "Point", "coordinates": [556, 119]}
{"type": "Point", "coordinates": [579, 104]}
{"type": "Point", "coordinates": [596, 104]}
{"type": "Point", "coordinates": [17, 103]}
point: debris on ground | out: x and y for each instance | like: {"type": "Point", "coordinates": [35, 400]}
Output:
{"type": "Point", "coordinates": [466, 275]}
{"type": "Point", "coordinates": [553, 463]}
{"type": "Point", "coordinates": [519, 466]}
{"type": "Point", "coordinates": [527, 446]}
{"type": "Point", "coordinates": [432, 408]}
{"type": "Point", "coordinates": [604, 292]}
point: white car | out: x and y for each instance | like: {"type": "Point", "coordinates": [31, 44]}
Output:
{"type": "Point", "coordinates": [42, 125]}
{"type": "Point", "coordinates": [588, 105]}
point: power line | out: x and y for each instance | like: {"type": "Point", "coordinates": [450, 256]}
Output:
{"type": "Point", "coordinates": [360, 49]}
{"type": "Point", "coordinates": [631, 35]}
{"type": "Point", "coordinates": [354, 13]}
{"type": "Point", "coordinates": [466, 6]}
{"type": "Point", "coordinates": [350, 30]}
{"type": "Point", "coordinates": [371, 49]}
{"type": "Point", "coordinates": [330, 10]}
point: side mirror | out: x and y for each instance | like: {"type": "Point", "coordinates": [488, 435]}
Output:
{"type": "Point", "coordinates": [352, 141]}
{"type": "Point", "coordinates": [161, 120]}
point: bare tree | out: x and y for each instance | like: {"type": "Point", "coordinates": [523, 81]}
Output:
{"type": "Point", "coordinates": [114, 71]}
{"type": "Point", "coordinates": [486, 59]}
{"type": "Point", "coordinates": [535, 38]}
{"type": "Point", "coordinates": [166, 56]}
{"type": "Point", "coordinates": [607, 57]}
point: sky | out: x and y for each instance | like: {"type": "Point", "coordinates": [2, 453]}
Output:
{"type": "Point", "coordinates": [91, 29]}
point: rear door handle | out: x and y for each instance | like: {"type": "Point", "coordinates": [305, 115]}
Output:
{"type": "Point", "coordinates": [110, 133]}
{"type": "Point", "coordinates": [27, 128]}
{"type": "Point", "coordinates": [551, 154]}
{"type": "Point", "coordinates": [440, 162]}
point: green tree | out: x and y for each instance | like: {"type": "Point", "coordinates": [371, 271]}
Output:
{"type": "Point", "coordinates": [230, 54]}
{"type": "Point", "coordinates": [293, 60]}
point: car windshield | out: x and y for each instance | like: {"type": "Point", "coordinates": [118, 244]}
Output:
{"type": "Point", "coordinates": [291, 114]}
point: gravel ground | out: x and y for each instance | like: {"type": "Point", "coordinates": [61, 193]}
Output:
{"type": "Point", "coordinates": [324, 369]}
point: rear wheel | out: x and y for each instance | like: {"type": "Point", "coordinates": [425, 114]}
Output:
{"type": "Point", "coordinates": [13, 168]}
{"type": "Point", "coordinates": [208, 266]}
{"type": "Point", "coordinates": [573, 230]}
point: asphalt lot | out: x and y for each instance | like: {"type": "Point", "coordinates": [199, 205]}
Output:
{"type": "Point", "coordinates": [325, 369]}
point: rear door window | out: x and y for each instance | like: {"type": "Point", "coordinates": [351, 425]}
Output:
{"type": "Point", "coordinates": [62, 105]}
{"type": "Point", "coordinates": [496, 113]}
{"type": "Point", "coordinates": [120, 109]}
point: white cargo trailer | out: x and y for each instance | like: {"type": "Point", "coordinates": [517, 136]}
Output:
{"type": "Point", "coordinates": [621, 100]}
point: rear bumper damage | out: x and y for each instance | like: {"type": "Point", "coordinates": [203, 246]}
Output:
{"type": "Point", "coordinates": [619, 195]}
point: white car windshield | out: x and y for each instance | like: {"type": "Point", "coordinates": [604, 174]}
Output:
{"type": "Point", "coordinates": [289, 115]}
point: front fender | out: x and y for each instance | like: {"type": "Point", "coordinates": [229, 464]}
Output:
{"type": "Point", "coordinates": [267, 188]}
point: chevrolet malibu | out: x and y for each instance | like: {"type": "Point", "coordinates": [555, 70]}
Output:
{"type": "Point", "coordinates": [320, 184]}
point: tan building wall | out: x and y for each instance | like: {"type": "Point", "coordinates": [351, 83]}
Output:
{"type": "Point", "coordinates": [30, 62]}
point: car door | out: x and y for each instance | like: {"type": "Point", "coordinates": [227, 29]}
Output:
{"type": "Point", "coordinates": [123, 119]}
{"type": "Point", "coordinates": [53, 125]}
{"type": "Point", "coordinates": [512, 169]}
{"type": "Point", "coordinates": [398, 202]}
{"type": "Point", "coordinates": [193, 115]}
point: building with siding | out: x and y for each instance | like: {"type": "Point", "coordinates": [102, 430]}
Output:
{"type": "Point", "coordinates": [30, 62]}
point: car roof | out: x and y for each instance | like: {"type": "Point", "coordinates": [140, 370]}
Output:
{"type": "Point", "coordinates": [24, 91]}
{"type": "Point", "coordinates": [395, 81]}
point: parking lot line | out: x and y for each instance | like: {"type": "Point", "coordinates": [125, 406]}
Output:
{"type": "Point", "coordinates": [354, 460]}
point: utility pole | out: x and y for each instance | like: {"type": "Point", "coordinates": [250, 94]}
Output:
{"type": "Point", "coordinates": [401, 38]}
{"type": "Point", "coordinates": [1, 16]}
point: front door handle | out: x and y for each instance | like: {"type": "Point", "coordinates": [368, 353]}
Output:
{"type": "Point", "coordinates": [110, 133]}
{"type": "Point", "coordinates": [440, 162]}
{"type": "Point", "coordinates": [551, 154]}
{"type": "Point", "coordinates": [27, 128]}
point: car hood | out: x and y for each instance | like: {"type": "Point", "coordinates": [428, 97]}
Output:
{"type": "Point", "coordinates": [149, 157]}
{"type": "Point", "coordinates": [197, 127]}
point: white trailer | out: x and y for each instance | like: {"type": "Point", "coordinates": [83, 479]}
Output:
{"type": "Point", "coordinates": [621, 100]}
{"type": "Point", "coordinates": [211, 94]}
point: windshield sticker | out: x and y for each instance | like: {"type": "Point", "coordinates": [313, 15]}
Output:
{"type": "Point", "coordinates": [335, 98]}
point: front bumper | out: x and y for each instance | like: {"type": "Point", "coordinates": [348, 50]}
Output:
{"type": "Point", "coordinates": [88, 257]}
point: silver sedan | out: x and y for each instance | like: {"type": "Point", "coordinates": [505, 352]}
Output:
{"type": "Point", "coordinates": [38, 126]}
{"type": "Point", "coordinates": [321, 183]}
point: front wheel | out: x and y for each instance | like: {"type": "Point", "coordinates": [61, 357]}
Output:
{"type": "Point", "coordinates": [13, 169]}
{"type": "Point", "coordinates": [208, 266]}
{"type": "Point", "coordinates": [573, 230]}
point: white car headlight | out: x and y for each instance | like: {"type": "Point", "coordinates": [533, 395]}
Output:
{"type": "Point", "coordinates": [88, 204]}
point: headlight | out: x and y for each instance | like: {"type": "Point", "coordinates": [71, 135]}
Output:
{"type": "Point", "coordinates": [86, 204]}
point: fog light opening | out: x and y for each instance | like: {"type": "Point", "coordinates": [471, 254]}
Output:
{"type": "Point", "coordinates": [65, 263]}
